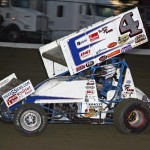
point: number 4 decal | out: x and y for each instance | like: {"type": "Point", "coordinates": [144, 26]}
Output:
{"type": "Point", "coordinates": [127, 24]}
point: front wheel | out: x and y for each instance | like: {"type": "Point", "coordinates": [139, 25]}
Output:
{"type": "Point", "coordinates": [30, 119]}
{"type": "Point", "coordinates": [131, 116]}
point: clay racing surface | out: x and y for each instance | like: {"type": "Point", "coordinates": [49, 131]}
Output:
{"type": "Point", "coordinates": [27, 64]}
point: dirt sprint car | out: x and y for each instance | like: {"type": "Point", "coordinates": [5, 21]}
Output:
{"type": "Point", "coordinates": [88, 82]}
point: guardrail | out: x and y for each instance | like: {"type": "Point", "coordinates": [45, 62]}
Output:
{"type": "Point", "coordinates": [37, 46]}
{"type": "Point", "coordinates": [139, 51]}
{"type": "Point", "coordinates": [21, 45]}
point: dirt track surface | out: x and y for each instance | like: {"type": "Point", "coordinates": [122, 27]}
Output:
{"type": "Point", "coordinates": [27, 64]}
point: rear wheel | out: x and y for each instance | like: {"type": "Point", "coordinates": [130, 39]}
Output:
{"type": "Point", "coordinates": [131, 116]}
{"type": "Point", "coordinates": [30, 119]}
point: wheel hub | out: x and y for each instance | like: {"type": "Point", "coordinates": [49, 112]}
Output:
{"type": "Point", "coordinates": [30, 120]}
{"type": "Point", "coordinates": [136, 118]}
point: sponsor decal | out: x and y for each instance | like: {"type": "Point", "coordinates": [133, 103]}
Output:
{"type": "Point", "coordinates": [114, 53]}
{"type": "Point", "coordinates": [128, 91]}
{"type": "Point", "coordinates": [94, 36]}
{"type": "Point", "coordinates": [89, 64]}
{"type": "Point", "coordinates": [90, 87]}
{"type": "Point", "coordinates": [81, 42]}
{"type": "Point", "coordinates": [15, 90]}
{"type": "Point", "coordinates": [18, 93]}
{"type": "Point", "coordinates": [103, 58]}
{"type": "Point", "coordinates": [127, 88]}
{"type": "Point", "coordinates": [7, 79]}
{"type": "Point", "coordinates": [90, 92]}
{"type": "Point", "coordinates": [111, 45]}
{"type": "Point", "coordinates": [95, 104]}
{"type": "Point", "coordinates": [100, 51]}
{"type": "Point", "coordinates": [4, 82]}
{"type": "Point", "coordinates": [13, 99]}
{"type": "Point", "coordinates": [90, 82]}
{"type": "Point", "coordinates": [80, 68]}
{"type": "Point", "coordinates": [126, 48]}
{"type": "Point", "coordinates": [123, 39]}
{"type": "Point", "coordinates": [105, 30]}
{"type": "Point", "coordinates": [85, 54]}
{"type": "Point", "coordinates": [128, 81]}
{"type": "Point", "coordinates": [130, 42]}
{"type": "Point", "coordinates": [140, 38]}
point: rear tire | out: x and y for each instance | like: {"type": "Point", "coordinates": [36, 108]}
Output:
{"type": "Point", "coordinates": [131, 116]}
{"type": "Point", "coordinates": [30, 119]}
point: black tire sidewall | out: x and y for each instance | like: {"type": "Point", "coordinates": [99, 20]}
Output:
{"type": "Point", "coordinates": [36, 108]}
{"type": "Point", "coordinates": [141, 128]}
{"type": "Point", "coordinates": [122, 112]}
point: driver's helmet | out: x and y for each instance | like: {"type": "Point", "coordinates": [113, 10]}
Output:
{"type": "Point", "coordinates": [108, 71]}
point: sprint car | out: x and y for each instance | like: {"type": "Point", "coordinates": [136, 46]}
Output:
{"type": "Point", "coordinates": [87, 82]}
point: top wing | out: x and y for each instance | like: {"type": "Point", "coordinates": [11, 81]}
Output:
{"type": "Point", "coordinates": [98, 42]}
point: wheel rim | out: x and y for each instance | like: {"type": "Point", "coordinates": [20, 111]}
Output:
{"type": "Point", "coordinates": [30, 120]}
{"type": "Point", "coordinates": [136, 119]}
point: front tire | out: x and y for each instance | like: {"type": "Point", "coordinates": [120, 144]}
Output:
{"type": "Point", "coordinates": [131, 116]}
{"type": "Point", "coordinates": [30, 119]}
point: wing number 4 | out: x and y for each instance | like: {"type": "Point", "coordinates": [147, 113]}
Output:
{"type": "Point", "coordinates": [127, 24]}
